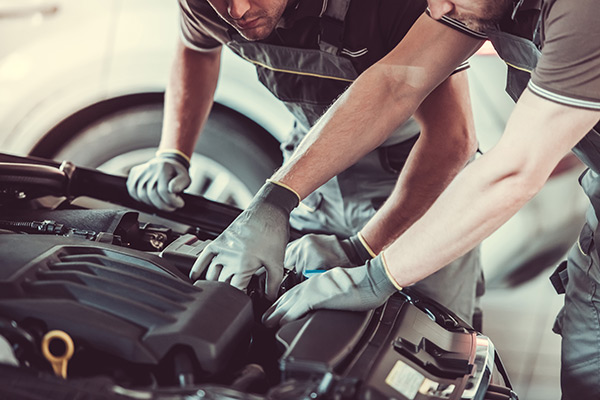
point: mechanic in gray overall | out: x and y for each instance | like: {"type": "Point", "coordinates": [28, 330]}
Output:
{"type": "Point", "coordinates": [558, 109]}
{"type": "Point", "coordinates": [307, 53]}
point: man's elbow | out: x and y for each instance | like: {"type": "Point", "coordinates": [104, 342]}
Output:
{"type": "Point", "coordinates": [465, 143]}
{"type": "Point", "coordinates": [521, 175]}
{"type": "Point", "coordinates": [457, 142]}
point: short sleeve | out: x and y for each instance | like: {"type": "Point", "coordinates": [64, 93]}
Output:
{"type": "Point", "coordinates": [569, 69]}
{"type": "Point", "coordinates": [193, 30]}
{"type": "Point", "coordinates": [459, 26]}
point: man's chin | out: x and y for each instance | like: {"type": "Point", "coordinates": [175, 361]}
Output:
{"type": "Point", "coordinates": [254, 34]}
{"type": "Point", "coordinates": [474, 23]}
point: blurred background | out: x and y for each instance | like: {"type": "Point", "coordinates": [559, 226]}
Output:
{"type": "Point", "coordinates": [84, 81]}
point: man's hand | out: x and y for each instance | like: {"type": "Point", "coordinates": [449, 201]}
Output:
{"type": "Point", "coordinates": [313, 251]}
{"type": "Point", "coordinates": [160, 181]}
{"type": "Point", "coordinates": [355, 289]}
{"type": "Point", "coordinates": [256, 238]}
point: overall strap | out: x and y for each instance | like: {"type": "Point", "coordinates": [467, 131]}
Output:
{"type": "Point", "coordinates": [332, 19]}
{"type": "Point", "coordinates": [524, 19]}
{"type": "Point", "coordinates": [525, 5]}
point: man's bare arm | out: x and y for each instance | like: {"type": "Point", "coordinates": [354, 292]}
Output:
{"type": "Point", "coordinates": [189, 97]}
{"type": "Point", "coordinates": [447, 142]}
{"type": "Point", "coordinates": [492, 188]}
{"type": "Point", "coordinates": [382, 98]}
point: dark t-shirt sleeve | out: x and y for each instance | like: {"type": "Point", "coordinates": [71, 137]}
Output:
{"type": "Point", "coordinates": [569, 70]}
{"type": "Point", "coordinates": [459, 26]}
{"type": "Point", "coordinates": [395, 18]}
{"type": "Point", "coordinates": [194, 31]}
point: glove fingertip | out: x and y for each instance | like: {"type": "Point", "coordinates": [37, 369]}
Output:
{"type": "Point", "coordinates": [239, 282]}
{"type": "Point", "coordinates": [273, 281]}
{"type": "Point", "coordinates": [133, 177]}
{"type": "Point", "coordinates": [167, 199]}
{"type": "Point", "coordinates": [269, 318]}
{"type": "Point", "coordinates": [200, 265]}
{"type": "Point", "coordinates": [179, 183]}
{"type": "Point", "coordinates": [133, 184]}
{"type": "Point", "coordinates": [270, 322]}
{"type": "Point", "coordinates": [272, 288]}
{"type": "Point", "coordinates": [213, 272]}
{"type": "Point", "coordinates": [130, 185]}
{"type": "Point", "coordinates": [167, 208]}
{"type": "Point", "coordinates": [284, 320]}
{"type": "Point", "coordinates": [178, 202]}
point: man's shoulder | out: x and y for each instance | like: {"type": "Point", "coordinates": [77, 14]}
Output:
{"type": "Point", "coordinates": [199, 8]}
{"type": "Point", "coordinates": [202, 27]}
{"type": "Point", "coordinates": [197, 4]}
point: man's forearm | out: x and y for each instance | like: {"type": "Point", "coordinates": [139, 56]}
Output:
{"type": "Point", "coordinates": [381, 99]}
{"type": "Point", "coordinates": [189, 97]}
{"type": "Point", "coordinates": [359, 121]}
{"type": "Point", "coordinates": [491, 189]}
{"type": "Point", "coordinates": [447, 142]}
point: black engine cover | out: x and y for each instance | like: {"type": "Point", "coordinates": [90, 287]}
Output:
{"type": "Point", "coordinates": [126, 303]}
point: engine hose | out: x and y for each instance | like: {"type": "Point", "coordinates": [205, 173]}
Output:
{"type": "Point", "coordinates": [25, 180]}
{"type": "Point", "coordinates": [47, 226]}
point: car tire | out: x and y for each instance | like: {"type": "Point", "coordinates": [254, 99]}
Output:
{"type": "Point", "coordinates": [232, 158]}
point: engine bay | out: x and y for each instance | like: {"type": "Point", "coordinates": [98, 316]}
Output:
{"type": "Point", "coordinates": [95, 302]}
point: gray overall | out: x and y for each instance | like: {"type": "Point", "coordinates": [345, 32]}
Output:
{"type": "Point", "coordinates": [579, 277]}
{"type": "Point", "coordinates": [344, 204]}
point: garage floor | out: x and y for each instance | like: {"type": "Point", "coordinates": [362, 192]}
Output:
{"type": "Point", "coordinates": [519, 322]}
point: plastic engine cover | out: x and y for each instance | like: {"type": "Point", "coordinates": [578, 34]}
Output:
{"type": "Point", "coordinates": [126, 303]}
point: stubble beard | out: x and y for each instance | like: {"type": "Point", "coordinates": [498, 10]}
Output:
{"type": "Point", "coordinates": [269, 21]}
{"type": "Point", "coordinates": [260, 32]}
{"type": "Point", "coordinates": [492, 13]}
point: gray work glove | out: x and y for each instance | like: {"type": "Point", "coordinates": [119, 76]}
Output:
{"type": "Point", "coordinates": [322, 252]}
{"type": "Point", "coordinates": [160, 181]}
{"type": "Point", "coordinates": [256, 238]}
{"type": "Point", "coordinates": [355, 289]}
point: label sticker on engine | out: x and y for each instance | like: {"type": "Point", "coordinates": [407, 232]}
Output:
{"type": "Point", "coordinates": [405, 380]}
{"type": "Point", "coordinates": [437, 389]}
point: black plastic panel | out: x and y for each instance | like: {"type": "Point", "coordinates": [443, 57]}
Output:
{"type": "Point", "coordinates": [398, 351]}
{"type": "Point", "coordinates": [126, 303]}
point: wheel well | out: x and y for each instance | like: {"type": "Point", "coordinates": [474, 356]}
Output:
{"type": "Point", "coordinates": [49, 145]}
{"type": "Point", "coordinates": [60, 134]}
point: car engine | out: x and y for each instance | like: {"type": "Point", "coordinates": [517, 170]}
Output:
{"type": "Point", "coordinates": [96, 303]}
